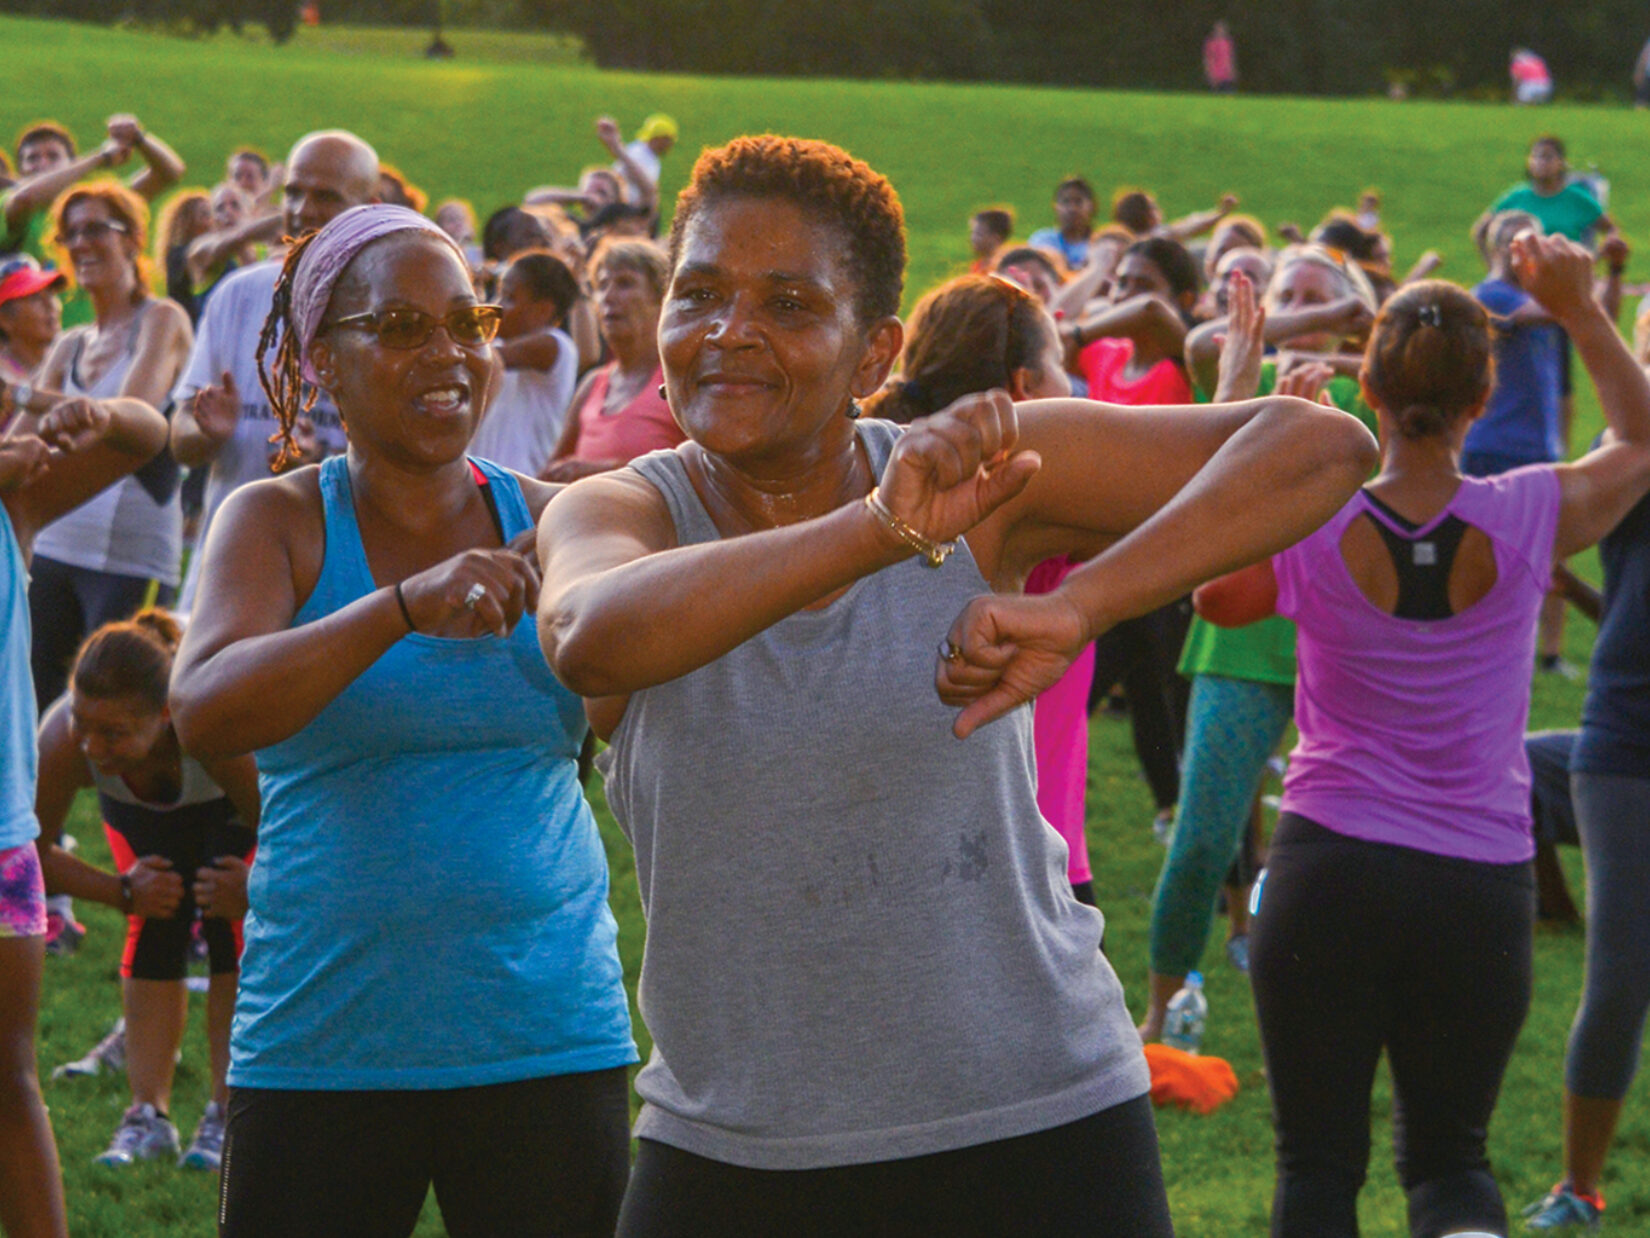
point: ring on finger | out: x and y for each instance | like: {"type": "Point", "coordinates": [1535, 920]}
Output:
{"type": "Point", "coordinates": [950, 651]}
{"type": "Point", "coordinates": [474, 596]}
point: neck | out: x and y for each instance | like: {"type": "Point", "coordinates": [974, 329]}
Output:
{"type": "Point", "coordinates": [1549, 184]}
{"type": "Point", "coordinates": [113, 302]}
{"type": "Point", "coordinates": [778, 490]}
{"type": "Point", "coordinates": [24, 354]}
{"type": "Point", "coordinates": [638, 358]}
{"type": "Point", "coordinates": [1417, 465]}
{"type": "Point", "coordinates": [409, 497]}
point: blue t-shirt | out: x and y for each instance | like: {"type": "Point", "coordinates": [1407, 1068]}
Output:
{"type": "Point", "coordinates": [1076, 253]}
{"type": "Point", "coordinates": [1521, 421]}
{"type": "Point", "coordinates": [429, 905]}
{"type": "Point", "coordinates": [1615, 721]}
{"type": "Point", "coordinates": [18, 757]}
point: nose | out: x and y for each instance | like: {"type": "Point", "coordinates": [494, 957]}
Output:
{"type": "Point", "coordinates": [734, 326]}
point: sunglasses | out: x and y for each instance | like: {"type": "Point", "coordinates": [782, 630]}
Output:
{"type": "Point", "coordinates": [401, 329]}
{"type": "Point", "coordinates": [91, 230]}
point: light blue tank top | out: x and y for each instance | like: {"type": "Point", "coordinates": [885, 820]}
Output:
{"type": "Point", "coordinates": [429, 904]}
{"type": "Point", "coordinates": [17, 751]}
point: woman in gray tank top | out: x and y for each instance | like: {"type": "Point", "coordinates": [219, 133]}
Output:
{"type": "Point", "coordinates": [876, 1006]}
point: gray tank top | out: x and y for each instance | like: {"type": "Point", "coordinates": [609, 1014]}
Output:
{"type": "Point", "coordinates": [122, 529]}
{"type": "Point", "coordinates": [861, 943]}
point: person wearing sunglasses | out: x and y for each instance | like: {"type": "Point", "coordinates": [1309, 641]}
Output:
{"type": "Point", "coordinates": [430, 990]}
{"type": "Point", "coordinates": [222, 420]}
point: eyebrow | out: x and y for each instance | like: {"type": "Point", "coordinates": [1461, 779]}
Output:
{"type": "Point", "coordinates": [771, 277]}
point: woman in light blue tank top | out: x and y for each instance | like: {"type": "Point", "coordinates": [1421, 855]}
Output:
{"type": "Point", "coordinates": [430, 990]}
{"type": "Point", "coordinates": [876, 1005]}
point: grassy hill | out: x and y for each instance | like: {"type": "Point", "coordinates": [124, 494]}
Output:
{"type": "Point", "coordinates": [513, 111]}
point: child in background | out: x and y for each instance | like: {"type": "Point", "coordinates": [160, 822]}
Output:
{"type": "Point", "coordinates": [988, 232]}
{"type": "Point", "coordinates": [1074, 204]}
{"type": "Point", "coordinates": [182, 834]}
{"type": "Point", "coordinates": [541, 365]}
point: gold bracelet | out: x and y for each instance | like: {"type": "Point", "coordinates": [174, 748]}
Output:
{"type": "Point", "coordinates": [933, 553]}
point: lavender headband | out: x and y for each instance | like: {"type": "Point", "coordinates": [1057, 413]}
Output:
{"type": "Point", "coordinates": [330, 252]}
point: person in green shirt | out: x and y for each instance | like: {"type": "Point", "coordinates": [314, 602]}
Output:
{"type": "Point", "coordinates": [47, 164]}
{"type": "Point", "coordinates": [1568, 208]}
{"type": "Point", "coordinates": [1243, 679]}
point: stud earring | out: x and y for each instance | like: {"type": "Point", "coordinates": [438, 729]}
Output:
{"type": "Point", "coordinates": [663, 394]}
{"type": "Point", "coordinates": [852, 411]}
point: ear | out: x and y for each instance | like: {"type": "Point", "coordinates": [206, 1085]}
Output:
{"type": "Point", "coordinates": [1020, 383]}
{"type": "Point", "coordinates": [883, 342]}
{"type": "Point", "coordinates": [323, 362]}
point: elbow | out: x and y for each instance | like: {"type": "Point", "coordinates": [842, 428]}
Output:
{"type": "Point", "coordinates": [1328, 442]}
{"type": "Point", "coordinates": [200, 732]}
{"type": "Point", "coordinates": [1213, 604]}
{"type": "Point", "coordinates": [577, 653]}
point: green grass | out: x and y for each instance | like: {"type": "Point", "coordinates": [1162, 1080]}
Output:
{"type": "Point", "coordinates": [515, 110]}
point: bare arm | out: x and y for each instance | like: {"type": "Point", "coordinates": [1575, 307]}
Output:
{"type": "Point", "coordinates": [1345, 317]}
{"type": "Point", "coordinates": [568, 445]}
{"type": "Point", "coordinates": [1146, 319]}
{"type": "Point", "coordinates": [530, 352]}
{"type": "Point", "coordinates": [29, 197]}
{"type": "Point", "coordinates": [159, 354]}
{"type": "Point", "coordinates": [1601, 487]}
{"type": "Point", "coordinates": [1199, 222]}
{"type": "Point", "coordinates": [209, 252]}
{"type": "Point", "coordinates": [647, 192]}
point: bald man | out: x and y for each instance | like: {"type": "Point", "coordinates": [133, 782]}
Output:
{"type": "Point", "coordinates": [222, 417]}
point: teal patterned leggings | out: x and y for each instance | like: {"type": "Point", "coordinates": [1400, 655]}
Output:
{"type": "Point", "coordinates": [1232, 726]}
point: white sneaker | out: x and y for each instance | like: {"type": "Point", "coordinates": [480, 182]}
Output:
{"type": "Point", "coordinates": [143, 1134]}
{"type": "Point", "coordinates": [108, 1054]}
{"type": "Point", "coordinates": [205, 1150]}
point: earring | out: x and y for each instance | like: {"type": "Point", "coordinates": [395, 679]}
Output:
{"type": "Point", "coordinates": [852, 411]}
{"type": "Point", "coordinates": [663, 394]}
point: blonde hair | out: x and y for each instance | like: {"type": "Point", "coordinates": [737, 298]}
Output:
{"type": "Point", "coordinates": [1348, 274]}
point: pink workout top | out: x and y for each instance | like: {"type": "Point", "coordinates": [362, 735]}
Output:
{"type": "Point", "coordinates": [1102, 363]}
{"type": "Point", "coordinates": [1412, 731]}
{"type": "Point", "coordinates": [643, 425]}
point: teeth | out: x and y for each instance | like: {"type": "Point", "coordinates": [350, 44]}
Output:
{"type": "Point", "coordinates": [444, 397]}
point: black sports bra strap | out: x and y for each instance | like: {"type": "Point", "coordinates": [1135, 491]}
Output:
{"type": "Point", "coordinates": [1423, 566]}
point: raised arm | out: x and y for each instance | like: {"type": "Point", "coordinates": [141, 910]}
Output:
{"type": "Point", "coordinates": [647, 192]}
{"type": "Point", "coordinates": [29, 197]}
{"type": "Point", "coordinates": [208, 252]}
{"type": "Point", "coordinates": [162, 168]}
{"type": "Point", "coordinates": [623, 607]}
{"type": "Point", "coordinates": [1344, 317]}
{"type": "Point", "coordinates": [1601, 487]}
{"type": "Point", "coordinates": [1146, 317]}
{"type": "Point", "coordinates": [1180, 494]}
{"type": "Point", "coordinates": [1199, 222]}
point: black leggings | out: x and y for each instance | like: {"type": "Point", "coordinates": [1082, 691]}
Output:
{"type": "Point", "coordinates": [66, 605]}
{"type": "Point", "coordinates": [1359, 947]}
{"type": "Point", "coordinates": [542, 1157]}
{"type": "Point", "coordinates": [1098, 1177]}
{"type": "Point", "coordinates": [1143, 653]}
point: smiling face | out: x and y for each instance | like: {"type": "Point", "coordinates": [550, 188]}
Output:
{"type": "Point", "coordinates": [416, 407]}
{"type": "Point", "coordinates": [100, 245]}
{"type": "Point", "coordinates": [760, 338]}
{"type": "Point", "coordinates": [116, 735]}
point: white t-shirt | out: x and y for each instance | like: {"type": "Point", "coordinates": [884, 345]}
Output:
{"type": "Point", "coordinates": [644, 158]}
{"type": "Point", "coordinates": [227, 339]}
{"type": "Point", "coordinates": [524, 422]}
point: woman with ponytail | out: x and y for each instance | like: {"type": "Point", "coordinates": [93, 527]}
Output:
{"type": "Point", "coordinates": [1395, 914]}
{"type": "Point", "coordinates": [182, 832]}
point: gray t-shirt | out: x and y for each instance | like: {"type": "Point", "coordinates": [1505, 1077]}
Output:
{"type": "Point", "coordinates": [861, 942]}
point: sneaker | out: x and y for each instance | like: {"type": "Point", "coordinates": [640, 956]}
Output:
{"type": "Point", "coordinates": [1562, 1208]}
{"type": "Point", "coordinates": [1237, 952]}
{"type": "Point", "coordinates": [205, 1150]}
{"type": "Point", "coordinates": [143, 1134]}
{"type": "Point", "coordinates": [108, 1054]}
{"type": "Point", "coordinates": [1552, 664]}
{"type": "Point", "coordinates": [1163, 826]}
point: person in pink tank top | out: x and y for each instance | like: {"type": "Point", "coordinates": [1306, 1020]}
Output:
{"type": "Point", "coordinates": [1396, 908]}
{"type": "Point", "coordinates": [619, 411]}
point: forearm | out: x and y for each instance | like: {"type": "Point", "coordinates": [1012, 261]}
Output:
{"type": "Point", "coordinates": [1278, 478]}
{"type": "Point", "coordinates": [1195, 224]}
{"type": "Point", "coordinates": [30, 197]}
{"type": "Point", "coordinates": [1623, 389]}
{"type": "Point", "coordinates": [67, 874]}
{"type": "Point", "coordinates": [192, 447]}
{"type": "Point", "coordinates": [215, 248]}
{"type": "Point", "coordinates": [1144, 319]}
{"type": "Point", "coordinates": [664, 615]}
{"type": "Point", "coordinates": [1608, 293]}
{"type": "Point", "coordinates": [163, 167]}
{"type": "Point", "coordinates": [263, 689]}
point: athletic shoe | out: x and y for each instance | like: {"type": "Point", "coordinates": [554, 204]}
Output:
{"type": "Point", "coordinates": [1163, 826]}
{"type": "Point", "coordinates": [63, 932]}
{"type": "Point", "coordinates": [1237, 952]}
{"type": "Point", "coordinates": [205, 1150]}
{"type": "Point", "coordinates": [143, 1134]}
{"type": "Point", "coordinates": [108, 1054]}
{"type": "Point", "coordinates": [1552, 664]}
{"type": "Point", "coordinates": [1562, 1208]}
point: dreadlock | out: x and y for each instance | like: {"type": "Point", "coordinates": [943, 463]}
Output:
{"type": "Point", "coordinates": [283, 380]}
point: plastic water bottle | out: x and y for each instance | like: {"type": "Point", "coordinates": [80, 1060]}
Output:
{"type": "Point", "coordinates": [1188, 1012]}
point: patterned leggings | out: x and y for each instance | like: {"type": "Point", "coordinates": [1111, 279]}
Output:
{"type": "Point", "coordinates": [1232, 726]}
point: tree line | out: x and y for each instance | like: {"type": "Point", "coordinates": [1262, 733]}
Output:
{"type": "Point", "coordinates": [1293, 46]}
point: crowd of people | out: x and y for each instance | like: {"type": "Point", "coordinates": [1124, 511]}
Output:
{"type": "Point", "coordinates": [335, 532]}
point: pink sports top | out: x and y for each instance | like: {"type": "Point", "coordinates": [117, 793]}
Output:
{"type": "Point", "coordinates": [643, 425]}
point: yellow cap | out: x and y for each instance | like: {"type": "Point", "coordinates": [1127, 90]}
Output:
{"type": "Point", "coordinates": [657, 125]}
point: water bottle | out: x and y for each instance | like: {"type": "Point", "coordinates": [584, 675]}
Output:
{"type": "Point", "coordinates": [1188, 1012]}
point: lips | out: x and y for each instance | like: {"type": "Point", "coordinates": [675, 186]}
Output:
{"type": "Point", "coordinates": [445, 400]}
{"type": "Point", "coordinates": [733, 384]}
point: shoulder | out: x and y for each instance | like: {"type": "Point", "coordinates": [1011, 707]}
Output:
{"type": "Point", "coordinates": [1500, 296]}
{"type": "Point", "coordinates": [1509, 197]}
{"type": "Point", "coordinates": [290, 503]}
{"type": "Point", "coordinates": [536, 494]}
{"type": "Point", "coordinates": [257, 280]}
{"type": "Point", "coordinates": [60, 757]}
{"type": "Point", "coordinates": [165, 319]}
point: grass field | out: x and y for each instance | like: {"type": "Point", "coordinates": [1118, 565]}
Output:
{"type": "Point", "coordinates": [513, 111]}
